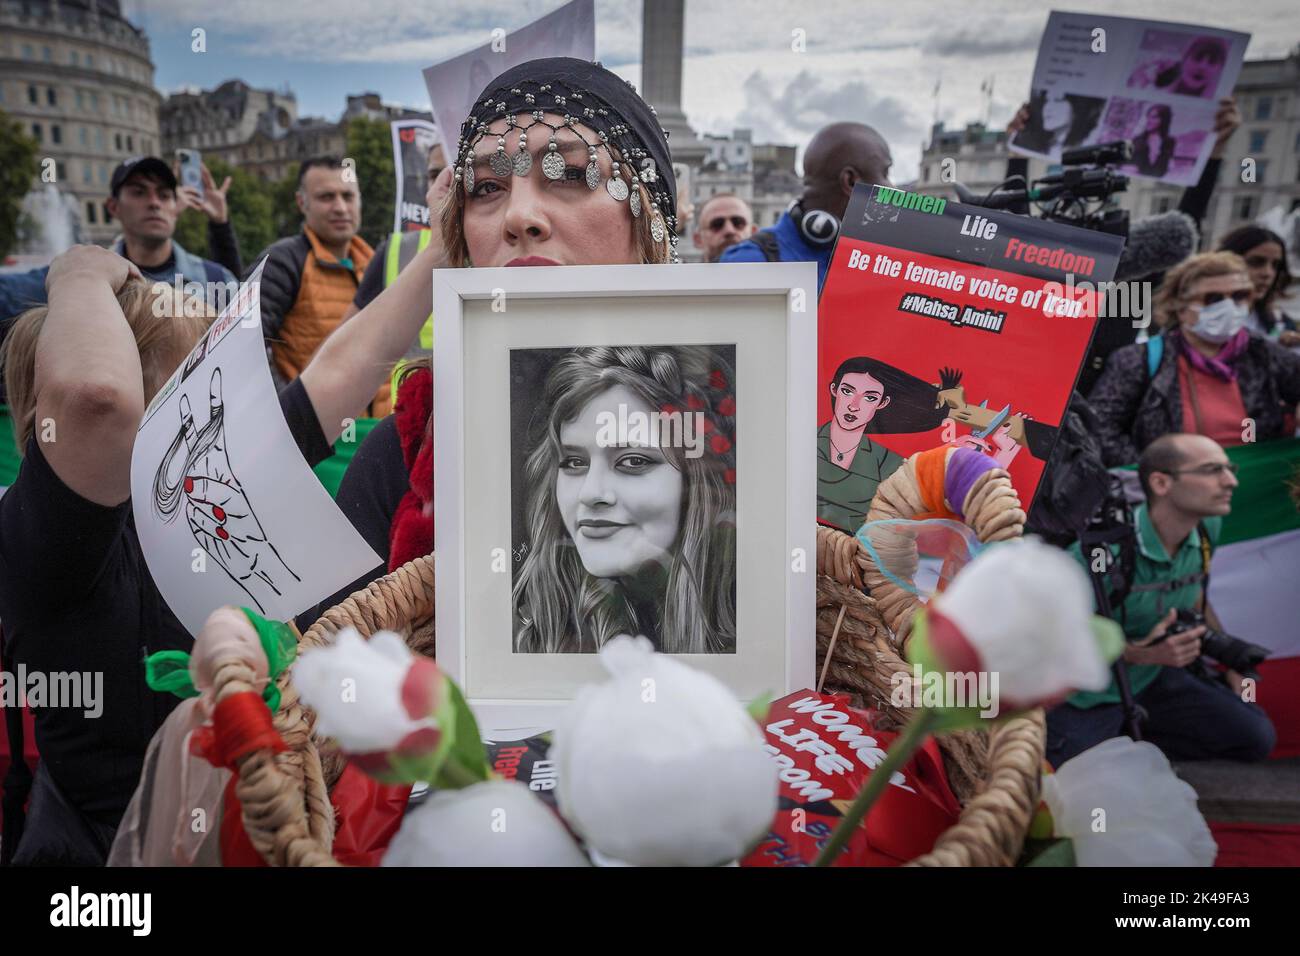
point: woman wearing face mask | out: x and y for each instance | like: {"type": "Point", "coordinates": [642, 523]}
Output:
{"type": "Point", "coordinates": [1265, 256]}
{"type": "Point", "coordinates": [1211, 374]}
{"type": "Point", "coordinates": [559, 163]}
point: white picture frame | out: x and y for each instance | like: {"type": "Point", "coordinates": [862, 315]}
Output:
{"type": "Point", "coordinates": [769, 312]}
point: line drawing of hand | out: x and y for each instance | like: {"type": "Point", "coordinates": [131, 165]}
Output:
{"type": "Point", "coordinates": [217, 511]}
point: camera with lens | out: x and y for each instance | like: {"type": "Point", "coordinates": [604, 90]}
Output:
{"type": "Point", "coordinates": [1078, 195]}
{"type": "Point", "coordinates": [1241, 656]}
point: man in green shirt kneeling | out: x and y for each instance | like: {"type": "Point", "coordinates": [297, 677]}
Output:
{"type": "Point", "coordinates": [1188, 482]}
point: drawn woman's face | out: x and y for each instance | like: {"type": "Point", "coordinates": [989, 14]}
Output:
{"type": "Point", "coordinates": [857, 399]}
{"type": "Point", "coordinates": [1057, 113]}
{"type": "Point", "coordinates": [620, 503]}
{"type": "Point", "coordinates": [1201, 71]}
{"type": "Point", "coordinates": [532, 220]}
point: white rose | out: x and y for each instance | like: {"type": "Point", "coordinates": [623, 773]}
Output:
{"type": "Point", "coordinates": [355, 687]}
{"type": "Point", "coordinates": [1151, 817]}
{"type": "Point", "coordinates": [497, 823]}
{"type": "Point", "coordinates": [1025, 608]}
{"type": "Point", "coordinates": [660, 765]}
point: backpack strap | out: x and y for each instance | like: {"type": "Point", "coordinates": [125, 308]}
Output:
{"type": "Point", "coordinates": [766, 242]}
{"type": "Point", "coordinates": [1205, 564]}
{"type": "Point", "coordinates": [1155, 352]}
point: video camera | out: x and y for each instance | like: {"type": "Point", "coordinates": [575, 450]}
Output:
{"type": "Point", "coordinates": [1242, 656]}
{"type": "Point", "coordinates": [1078, 195]}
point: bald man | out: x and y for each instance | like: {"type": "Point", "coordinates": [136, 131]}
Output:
{"type": "Point", "coordinates": [839, 157]}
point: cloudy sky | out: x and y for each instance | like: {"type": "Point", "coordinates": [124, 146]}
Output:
{"type": "Point", "coordinates": [865, 61]}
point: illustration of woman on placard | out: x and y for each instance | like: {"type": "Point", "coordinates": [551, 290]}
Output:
{"type": "Point", "coordinates": [870, 397]}
{"type": "Point", "coordinates": [631, 529]}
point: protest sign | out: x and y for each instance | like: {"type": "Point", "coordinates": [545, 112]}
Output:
{"type": "Point", "coordinates": [412, 140]}
{"type": "Point", "coordinates": [453, 84]}
{"type": "Point", "coordinates": [226, 509]}
{"type": "Point", "coordinates": [1153, 84]}
{"type": "Point", "coordinates": [943, 324]}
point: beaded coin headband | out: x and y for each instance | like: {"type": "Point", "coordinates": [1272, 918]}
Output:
{"type": "Point", "coordinates": [619, 135]}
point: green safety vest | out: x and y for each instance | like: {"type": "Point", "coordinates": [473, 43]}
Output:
{"type": "Point", "coordinates": [403, 247]}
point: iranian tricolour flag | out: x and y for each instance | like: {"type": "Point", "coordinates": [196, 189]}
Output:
{"type": "Point", "coordinates": [1255, 576]}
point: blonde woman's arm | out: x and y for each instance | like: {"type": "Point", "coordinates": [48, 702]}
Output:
{"type": "Point", "coordinates": [88, 384]}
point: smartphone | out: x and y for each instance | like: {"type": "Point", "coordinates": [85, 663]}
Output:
{"type": "Point", "coordinates": [190, 162]}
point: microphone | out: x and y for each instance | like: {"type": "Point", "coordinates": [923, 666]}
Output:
{"type": "Point", "coordinates": [1156, 244]}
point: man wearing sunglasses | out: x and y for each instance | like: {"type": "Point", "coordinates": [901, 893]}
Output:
{"type": "Point", "coordinates": [1188, 482]}
{"type": "Point", "coordinates": [724, 220]}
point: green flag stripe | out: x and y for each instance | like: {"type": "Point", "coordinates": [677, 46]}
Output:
{"type": "Point", "coordinates": [1263, 503]}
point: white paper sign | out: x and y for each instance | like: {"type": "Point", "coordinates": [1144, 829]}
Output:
{"type": "Point", "coordinates": [226, 509]}
{"type": "Point", "coordinates": [412, 140]}
{"type": "Point", "coordinates": [1153, 84]}
{"type": "Point", "coordinates": [453, 84]}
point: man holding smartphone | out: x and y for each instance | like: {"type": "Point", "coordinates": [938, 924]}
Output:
{"type": "Point", "coordinates": [146, 201]}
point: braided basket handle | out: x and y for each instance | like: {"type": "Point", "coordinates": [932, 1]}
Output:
{"type": "Point", "coordinates": [991, 509]}
{"type": "Point", "coordinates": [284, 798]}
{"type": "Point", "coordinates": [996, 772]}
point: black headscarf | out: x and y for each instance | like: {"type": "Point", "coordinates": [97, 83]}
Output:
{"type": "Point", "coordinates": [595, 97]}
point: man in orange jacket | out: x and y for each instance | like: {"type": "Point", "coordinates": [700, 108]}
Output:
{"type": "Point", "coordinates": [310, 278]}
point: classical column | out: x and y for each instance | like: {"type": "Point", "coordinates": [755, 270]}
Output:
{"type": "Point", "coordinates": [662, 35]}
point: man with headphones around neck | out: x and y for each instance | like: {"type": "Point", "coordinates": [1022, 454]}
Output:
{"type": "Point", "coordinates": [839, 157]}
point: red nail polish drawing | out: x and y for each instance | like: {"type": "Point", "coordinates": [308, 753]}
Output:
{"type": "Point", "coordinates": [195, 474]}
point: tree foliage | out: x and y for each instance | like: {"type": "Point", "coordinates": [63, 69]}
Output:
{"type": "Point", "coordinates": [18, 168]}
{"type": "Point", "coordinates": [370, 146]}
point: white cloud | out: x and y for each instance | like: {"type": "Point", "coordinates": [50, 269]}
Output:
{"type": "Point", "coordinates": [863, 60]}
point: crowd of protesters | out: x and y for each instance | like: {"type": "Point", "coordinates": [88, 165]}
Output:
{"type": "Point", "coordinates": [87, 346]}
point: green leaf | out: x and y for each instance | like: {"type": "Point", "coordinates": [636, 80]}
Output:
{"type": "Point", "coordinates": [463, 758]}
{"type": "Point", "coordinates": [759, 706]}
{"type": "Point", "coordinates": [1109, 636]}
{"type": "Point", "coordinates": [1058, 852]}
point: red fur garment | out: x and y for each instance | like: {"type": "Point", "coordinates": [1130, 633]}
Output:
{"type": "Point", "coordinates": [411, 534]}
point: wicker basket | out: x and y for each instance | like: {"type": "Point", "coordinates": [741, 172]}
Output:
{"type": "Point", "coordinates": [863, 620]}
{"type": "Point", "coordinates": [995, 774]}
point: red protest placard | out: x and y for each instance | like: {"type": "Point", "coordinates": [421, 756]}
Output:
{"type": "Point", "coordinates": [942, 324]}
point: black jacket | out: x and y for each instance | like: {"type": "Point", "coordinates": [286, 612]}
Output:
{"type": "Point", "coordinates": [281, 278]}
{"type": "Point", "coordinates": [1134, 409]}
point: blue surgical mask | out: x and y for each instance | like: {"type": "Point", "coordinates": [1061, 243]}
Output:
{"type": "Point", "coordinates": [1221, 321]}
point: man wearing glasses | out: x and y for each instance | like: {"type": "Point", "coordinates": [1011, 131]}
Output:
{"type": "Point", "coordinates": [724, 220]}
{"type": "Point", "coordinates": [1188, 482]}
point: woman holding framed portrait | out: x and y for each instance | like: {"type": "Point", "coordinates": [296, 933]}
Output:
{"type": "Point", "coordinates": [559, 163]}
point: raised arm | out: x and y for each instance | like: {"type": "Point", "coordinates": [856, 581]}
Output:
{"type": "Point", "coordinates": [88, 380]}
{"type": "Point", "coordinates": [359, 355]}
{"type": "Point", "coordinates": [1195, 200]}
